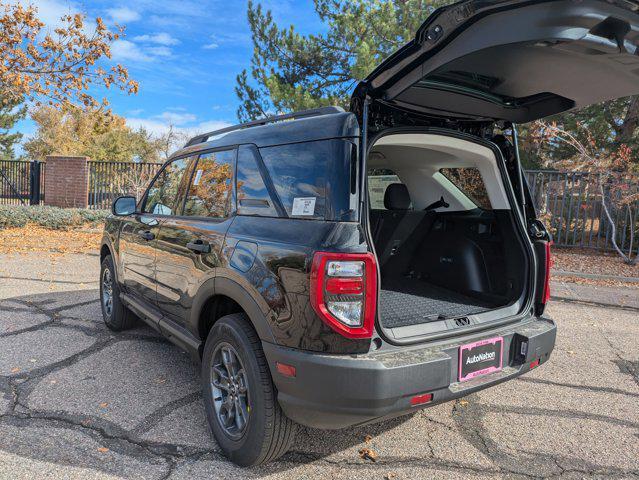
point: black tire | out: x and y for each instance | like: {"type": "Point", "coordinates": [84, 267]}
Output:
{"type": "Point", "coordinates": [267, 433]}
{"type": "Point", "coordinates": [119, 317]}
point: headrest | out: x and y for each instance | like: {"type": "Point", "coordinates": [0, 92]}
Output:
{"type": "Point", "coordinates": [397, 197]}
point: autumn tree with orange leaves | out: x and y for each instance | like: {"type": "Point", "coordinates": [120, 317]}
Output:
{"type": "Point", "coordinates": [56, 66]}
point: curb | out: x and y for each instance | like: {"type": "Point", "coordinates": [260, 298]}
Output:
{"type": "Point", "coordinates": [594, 276]}
{"type": "Point", "coordinates": [594, 304]}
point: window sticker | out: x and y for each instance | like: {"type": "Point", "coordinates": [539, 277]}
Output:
{"type": "Point", "coordinates": [198, 177]}
{"type": "Point", "coordinates": [304, 207]}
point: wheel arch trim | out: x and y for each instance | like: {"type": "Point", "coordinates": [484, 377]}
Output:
{"type": "Point", "coordinates": [230, 288]}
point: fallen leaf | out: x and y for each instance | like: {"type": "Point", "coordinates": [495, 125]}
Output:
{"type": "Point", "coordinates": [103, 449]}
{"type": "Point", "coordinates": [368, 438]}
{"type": "Point", "coordinates": [104, 405]}
{"type": "Point", "coordinates": [463, 403]}
{"type": "Point", "coordinates": [368, 454]}
{"type": "Point", "coordinates": [390, 476]}
{"type": "Point", "coordinates": [15, 370]}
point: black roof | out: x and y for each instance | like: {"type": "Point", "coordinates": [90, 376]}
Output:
{"type": "Point", "coordinates": [307, 126]}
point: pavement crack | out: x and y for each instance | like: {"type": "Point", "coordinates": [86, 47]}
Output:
{"type": "Point", "coordinates": [154, 418]}
{"type": "Point", "coordinates": [589, 388]}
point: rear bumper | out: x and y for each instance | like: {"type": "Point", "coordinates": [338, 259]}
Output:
{"type": "Point", "coordinates": [337, 391]}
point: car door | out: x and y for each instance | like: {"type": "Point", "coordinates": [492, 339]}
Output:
{"type": "Point", "coordinates": [506, 60]}
{"type": "Point", "coordinates": [190, 243]}
{"type": "Point", "coordinates": [139, 233]}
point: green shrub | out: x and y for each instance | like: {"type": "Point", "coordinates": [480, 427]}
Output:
{"type": "Point", "coordinates": [49, 217]}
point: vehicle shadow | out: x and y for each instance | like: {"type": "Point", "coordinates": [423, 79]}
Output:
{"type": "Point", "coordinates": [75, 394]}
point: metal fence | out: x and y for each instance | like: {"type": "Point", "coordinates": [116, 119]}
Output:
{"type": "Point", "coordinates": [569, 203]}
{"type": "Point", "coordinates": [21, 182]}
{"type": "Point", "coordinates": [571, 206]}
{"type": "Point", "coordinates": [109, 180]}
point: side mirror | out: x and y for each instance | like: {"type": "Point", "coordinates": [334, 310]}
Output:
{"type": "Point", "coordinates": [124, 206]}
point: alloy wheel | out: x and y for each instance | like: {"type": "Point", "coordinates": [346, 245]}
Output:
{"type": "Point", "coordinates": [107, 292]}
{"type": "Point", "coordinates": [230, 391]}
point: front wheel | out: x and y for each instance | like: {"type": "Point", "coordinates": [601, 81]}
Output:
{"type": "Point", "coordinates": [239, 395]}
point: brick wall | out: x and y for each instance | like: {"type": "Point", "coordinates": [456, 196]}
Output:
{"type": "Point", "coordinates": [67, 181]}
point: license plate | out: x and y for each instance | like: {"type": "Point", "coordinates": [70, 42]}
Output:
{"type": "Point", "coordinates": [481, 358]}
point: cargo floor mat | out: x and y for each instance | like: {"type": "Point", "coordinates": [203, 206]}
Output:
{"type": "Point", "coordinates": [423, 303]}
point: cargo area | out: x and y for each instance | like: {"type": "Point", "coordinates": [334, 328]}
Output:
{"type": "Point", "coordinates": [449, 251]}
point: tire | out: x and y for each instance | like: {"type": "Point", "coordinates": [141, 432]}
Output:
{"type": "Point", "coordinates": [116, 317]}
{"type": "Point", "coordinates": [267, 433]}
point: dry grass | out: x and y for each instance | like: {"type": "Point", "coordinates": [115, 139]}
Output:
{"type": "Point", "coordinates": [32, 238]}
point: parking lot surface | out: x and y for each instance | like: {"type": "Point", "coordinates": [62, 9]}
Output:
{"type": "Point", "coordinates": [78, 401]}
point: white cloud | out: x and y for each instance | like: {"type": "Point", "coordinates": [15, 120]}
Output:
{"type": "Point", "coordinates": [123, 15]}
{"type": "Point", "coordinates": [210, 46]}
{"type": "Point", "coordinates": [183, 123]}
{"type": "Point", "coordinates": [159, 51]}
{"type": "Point", "coordinates": [176, 118]}
{"type": "Point", "coordinates": [125, 50]}
{"type": "Point", "coordinates": [211, 126]}
{"type": "Point", "coordinates": [159, 38]}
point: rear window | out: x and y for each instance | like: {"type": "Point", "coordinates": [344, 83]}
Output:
{"type": "Point", "coordinates": [378, 181]}
{"type": "Point", "coordinates": [299, 172]}
{"type": "Point", "coordinates": [470, 182]}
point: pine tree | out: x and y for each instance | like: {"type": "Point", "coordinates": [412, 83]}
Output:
{"type": "Point", "coordinates": [11, 112]}
{"type": "Point", "coordinates": [290, 71]}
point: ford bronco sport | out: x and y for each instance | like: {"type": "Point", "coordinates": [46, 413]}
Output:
{"type": "Point", "coordinates": [334, 268]}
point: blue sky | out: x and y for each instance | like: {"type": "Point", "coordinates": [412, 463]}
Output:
{"type": "Point", "coordinates": [185, 55]}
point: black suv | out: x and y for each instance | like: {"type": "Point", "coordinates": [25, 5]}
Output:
{"type": "Point", "coordinates": [334, 268]}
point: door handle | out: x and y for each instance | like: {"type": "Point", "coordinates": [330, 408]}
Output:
{"type": "Point", "coordinates": [198, 246]}
{"type": "Point", "coordinates": [146, 235]}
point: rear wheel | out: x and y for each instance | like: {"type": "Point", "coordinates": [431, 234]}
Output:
{"type": "Point", "coordinates": [115, 314]}
{"type": "Point", "coordinates": [239, 395]}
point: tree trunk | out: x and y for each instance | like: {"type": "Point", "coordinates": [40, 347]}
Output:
{"type": "Point", "coordinates": [613, 227]}
{"type": "Point", "coordinates": [630, 122]}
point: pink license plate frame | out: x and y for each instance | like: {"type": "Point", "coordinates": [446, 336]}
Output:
{"type": "Point", "coordinates": [484, 371]}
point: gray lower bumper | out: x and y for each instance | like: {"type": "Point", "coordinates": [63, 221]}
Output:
{"type": "Point", "coordinates": [337, 391]}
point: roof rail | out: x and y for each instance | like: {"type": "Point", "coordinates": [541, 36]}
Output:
{"type": "Point", "coordinates": [316, 112]}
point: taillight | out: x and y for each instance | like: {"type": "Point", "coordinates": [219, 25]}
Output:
{"type": "Point", "coordinates": [344, 292]}
{"type": "Point", "coordinates": [546, 296]}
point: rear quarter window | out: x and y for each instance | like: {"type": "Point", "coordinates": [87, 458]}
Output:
{"type": "Point", "coordinates": [299, 174]}
{"type": "Point", "coordinates": [470, 182]}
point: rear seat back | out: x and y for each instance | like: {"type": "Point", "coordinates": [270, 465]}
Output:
{"type": "Point", "coordinates": [398, 231]}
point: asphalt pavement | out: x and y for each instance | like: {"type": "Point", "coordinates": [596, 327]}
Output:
{"type": "Point", "coordinates": [78, 401]}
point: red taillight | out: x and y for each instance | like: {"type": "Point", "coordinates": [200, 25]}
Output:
{"type": "Point", "coordinates": [421, 399]}
{"type": "Point", "coordinates": [546, 296]}
{"type": "Point", "coordinates": [345, 286]}
{"type": "Point", "coordinates": [344, 292]}
{"type": "Point", "coordinates": [534, 364]}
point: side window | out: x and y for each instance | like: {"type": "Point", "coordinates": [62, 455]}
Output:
{"type": "Point", "coordinates": [299, 172]}
{"type": "Point", "coordinates": [164, 193]}
{"type": "Point", "coordinates": [252, 195]}
{"type": "Point", "coordinates": [471, 184]}
{"type": "Point", "coordinates": [210, 192]}
{"type": "Point", "coordinates": [378, 181]}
